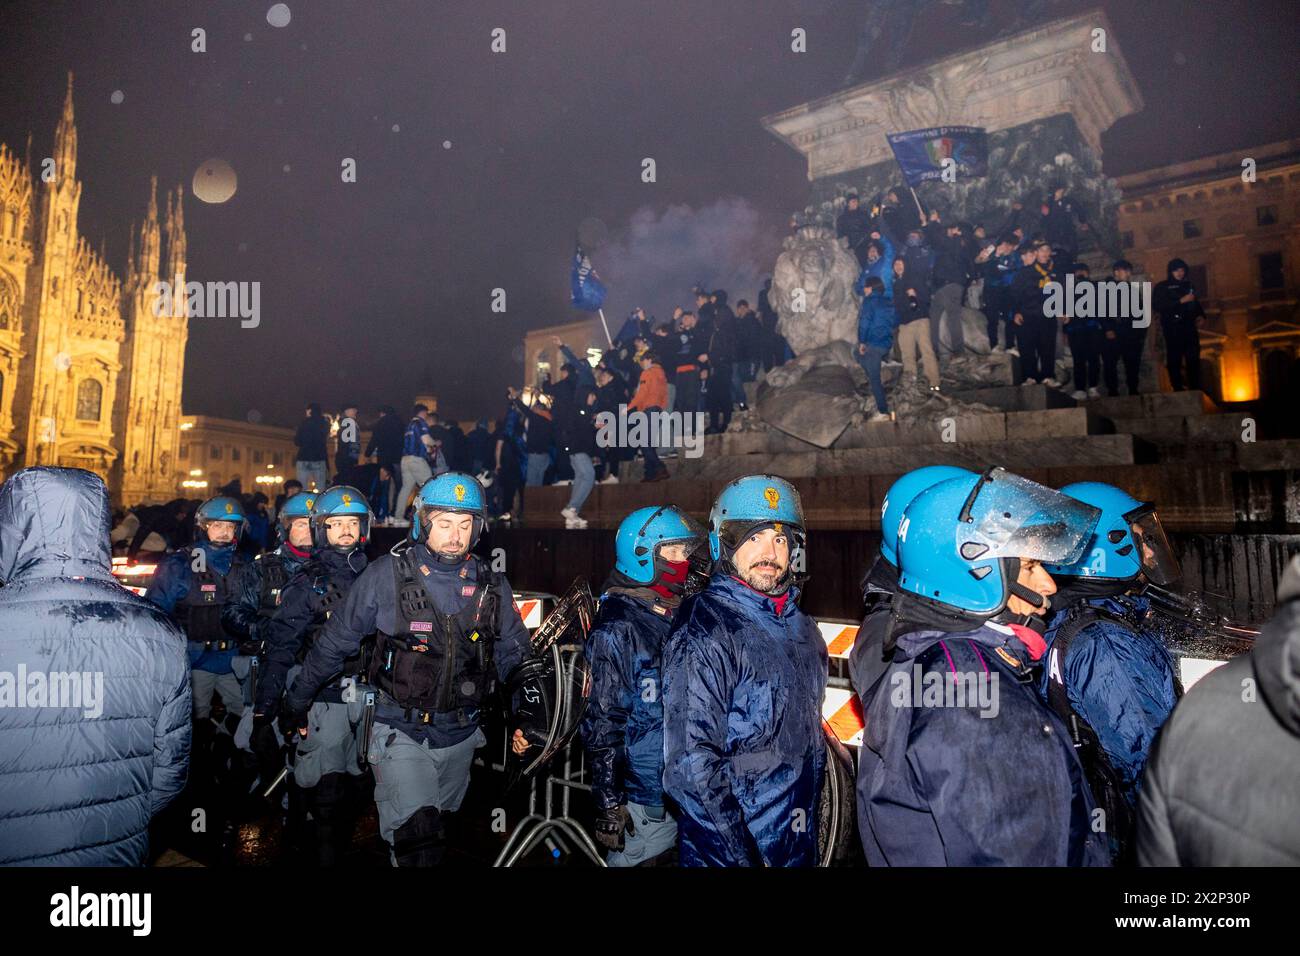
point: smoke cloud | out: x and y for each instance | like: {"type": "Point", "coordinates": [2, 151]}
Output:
{"type": "Point", "coordinates": [656, 261]}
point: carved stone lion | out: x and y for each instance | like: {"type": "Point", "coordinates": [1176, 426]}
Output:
{"type": "Point", "coordinates": [816, 272]}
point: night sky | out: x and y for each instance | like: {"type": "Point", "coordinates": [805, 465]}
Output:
{"type": "Point", "coordinates": [374, 290]}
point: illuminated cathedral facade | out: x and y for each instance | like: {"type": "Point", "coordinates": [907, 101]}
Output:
{"type": "Point", "coordinates": [90, 377]}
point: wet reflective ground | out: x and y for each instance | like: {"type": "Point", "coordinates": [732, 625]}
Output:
{"type": "Point", "coordinates": [218, 823]}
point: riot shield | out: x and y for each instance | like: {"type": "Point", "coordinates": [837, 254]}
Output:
{"type": "Point", "coordinates": [548, 691]}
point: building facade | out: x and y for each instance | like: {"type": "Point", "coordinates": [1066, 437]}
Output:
{"type": "Point", "coordinates": [1238, 229]}
{"type": "Point", "coordinates": [90, 376]}
{"type": "Point", "coordinates": [215, 451]}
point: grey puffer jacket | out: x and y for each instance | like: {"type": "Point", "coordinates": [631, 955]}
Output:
{"type": "Point", "coordinates": [1222, 785]}
{"type": "Point", "coordinates": [94, 684]}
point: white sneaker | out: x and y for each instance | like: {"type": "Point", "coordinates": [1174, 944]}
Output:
{"type": "Point", "coordinates": [572, 523]}
{"type": "Point", "coordinates": [610, 479]}
{"type": "Point", "coordinates": [559, 484]}
{"type": "Point", "coordinates": [1079, 395]}
{"type": "Point", "coordinates": [996, 350]}
{"type": "Point", "coordinates": [880, 417]}
{"type": "Point", "coordinates": [504, 517]}
{"type": "Point", "coordinates": [891, 363]}
{"type": "Point", "coordinates": [1030, 381]}
{"type": "Point", "coordinates": [569, 512]}
{"type": "Point", "coordinates": [935, 389]}
{"type": "Point", "coordinates": [1014, 351]}
{"type": "Point", "coordinates": [1094, 392]}
{"type": "Point", "coordinates": [1051, 383]}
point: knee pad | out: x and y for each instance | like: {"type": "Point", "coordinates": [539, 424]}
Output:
{"type": "Point", "coordinates": [420, 840]}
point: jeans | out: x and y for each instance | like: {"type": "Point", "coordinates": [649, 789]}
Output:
{"type": "Point", "coordinates": [584, 479]}
{"type": "Point", "coordinates": [652, 463]}
{"type": "Point", "coordinates": [415, 472]}
{"type": "Point", "coordinates": [314, 475]}
{"type": "Point", "coordinates": [1126, 346]}
{"type": "Point", "coordinates": [945, 313]}
{"type": "Point", "coordinates": [1183, 345]}
{"type": "Point", "coordinates": [870, 362]}
{"type": "Point", "coordinates": [537, 464]}
{"type": "Point", "coordinates": [741, 373]}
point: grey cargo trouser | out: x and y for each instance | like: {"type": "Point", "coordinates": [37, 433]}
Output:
{"type": "Point", "coordinates": [410, 775]}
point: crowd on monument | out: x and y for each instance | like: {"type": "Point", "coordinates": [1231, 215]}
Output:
{"type": "Point", "coordinates": [919, 270]}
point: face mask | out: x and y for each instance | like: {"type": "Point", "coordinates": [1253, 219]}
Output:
{"type": "Point", "coordinates": [672, 576]}
{"type": "Point", "coordinates": [913, 241]}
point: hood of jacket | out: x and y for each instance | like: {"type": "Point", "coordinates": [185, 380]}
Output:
{"type": "Point", "coordinates": [1176, 264]}
{"type": "Point", "coordinates": [1276, 654]}
{"type": "Point", "coordinates": [54, 522]}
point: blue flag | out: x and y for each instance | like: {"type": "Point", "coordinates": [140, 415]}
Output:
{"type": "Point", "coordinates": [588, 290]}
{"type": "Point", "coordinates": [921, 152]}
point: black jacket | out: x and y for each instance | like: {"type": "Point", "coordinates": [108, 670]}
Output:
{"type": "Point", "coordinates": [1027, 288]}
{"type": "Point", "coordinates": [1165, 297]}
{"type": "Point", "coordinates": [1222, 784]}
{"type": "Point", "coordinates": [541, 431]}
{"type": "Point", "coordinates": [854, 225]}
{"type": "Point", "coordinates": [950, 260]}
{"type": "Point", "coordinates": [313, 434]}
{"type": "Point", "coordinates": [386, 439]}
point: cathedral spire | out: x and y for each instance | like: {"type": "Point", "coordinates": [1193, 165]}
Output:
{"type": "Point", "coordinates": [174, 229]}
{"type": "Point", "coordinates": [65, 140]}
{"type": "Point", "coordinates": [147, 264]}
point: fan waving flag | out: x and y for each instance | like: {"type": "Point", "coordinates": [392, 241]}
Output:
{"type": "Point", "coordinates": [921, 152]}
{"type": "Point", "coordinates": [588, 290]}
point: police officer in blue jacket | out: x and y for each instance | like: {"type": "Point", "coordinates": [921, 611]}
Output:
{"type": "Point", "coordinates": [744, 675]}
{"type": "Point", "coordinates": [445, 628]}
{"type": "Point", "coordinates": [255, 597]}
{"type": "Point", "coordinates": [325, 762]}
{"type": "Point", "coordinates": [1108, 675]}
{"type": "Point", "coordinates": [622, 727]}
{"type": "Point", "coordinates": [193, 585]}
{"type": "Point", "coordinates": [965, 766]}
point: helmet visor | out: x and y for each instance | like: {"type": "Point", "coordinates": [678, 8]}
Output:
{"type": "Point", "coordinates": [1154, 553]}
{"type": "Point", "coordinates": [1006, 516]}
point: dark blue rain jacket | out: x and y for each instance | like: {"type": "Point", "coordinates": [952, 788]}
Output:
{"type": "Point", "coordinates": [743, 745]}
{"type": "Point", "coordinates": [973, 785]}
{"type": "Point", "coordinates": [170, 584]}
{"type": "Point", "coordinates": [1120, 679]}
{"type": "Point", "coordinates": [623, 725]}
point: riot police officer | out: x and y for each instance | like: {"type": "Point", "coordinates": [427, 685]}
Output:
{"type": "Point", "coordinates": [744, 674]}
{"type": "Point", "coordinates": [325, 759]}
{"type": "Point", "coordinates": [965, 766]}
{"type": "Point", "coordinates": [193, 586]}
{"type": "Point", "coordinates": [445, 629]}
{"type": "Point", "coordinates": [622, 727]}
{"type": "Point", "coordinates": [257, 596]}
{"type": "Point", "coordinates": [1108, 675]}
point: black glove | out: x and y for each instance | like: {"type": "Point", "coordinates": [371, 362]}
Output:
{"type": "Point", "coordinates": [610, 824]}
{"type": "Point", "coordinates": [291, 722]}
{"type": "Point", "coordinates": [249, 647]}
{"type": "Point", "coordinates": [533, 710]}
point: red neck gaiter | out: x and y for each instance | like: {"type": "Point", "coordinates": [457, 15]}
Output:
{"type": "Point", "coordinates": [298, 551]}
{"type": "Point", "coordinates": [672, 579]}
{"type": "Point", "coordinates": [1032, 640]}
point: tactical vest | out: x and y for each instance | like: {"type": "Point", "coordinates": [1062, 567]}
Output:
{"type": "Point", "coordinates": [1103, 780]}
{"type": "Point", "coordinates": [434, 662]}
{"type": "Point", "coordinates": [327, 597]}
{"type": "Point", "coordinates": [199, 612]}
{"type": "Point", "coordinates": [274, 576]}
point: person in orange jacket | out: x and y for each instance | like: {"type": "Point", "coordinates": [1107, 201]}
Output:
{"type": "Point", "coordinates": [651, 397]}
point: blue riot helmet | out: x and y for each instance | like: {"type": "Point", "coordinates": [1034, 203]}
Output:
{"type": "Point", "coordinates": [298, 506]}
{"type": "Point", "coordinates": [960, 542]}
{"type": "Point", "coordinates": [1128, 540]}
{"type": "Point", "coordinates": [337, 501]}
{"type": "Point", "coordinates": [749, 505]}
{"type": "Point", "coordinates": [220, 508]}
{"type": "Point", "coordinates": [640, 539]}
{"type": "Point", "coordinates": [454, 491]}
{"type": "Point", "coordinates": [901, 494]}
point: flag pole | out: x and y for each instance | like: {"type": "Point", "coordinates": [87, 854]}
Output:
{"type": "Point", "coordinates": [605, 325]}
{"type": "Point", "coordinates": [917, 201]}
